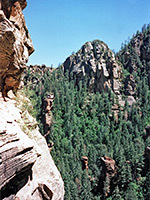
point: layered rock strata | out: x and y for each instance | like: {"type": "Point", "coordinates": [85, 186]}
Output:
{"type": "Point", "coordinates": [27, 170]}
{"type": "Point", "coordinates": [16, 44]}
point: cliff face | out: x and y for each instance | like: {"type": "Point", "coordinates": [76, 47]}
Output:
{"type": "Point", "coordinates": [16, 44]}
{"type": "Point", "coordinates": [96, 62]}
{"type": "Point", "coordinates": [27, 169]}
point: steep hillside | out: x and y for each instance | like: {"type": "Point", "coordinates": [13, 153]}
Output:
{"type": "Point", "coordinates": [103, 155]}
{"type": "Point", "coordinates": [135, 58]}
{"type": "Point", "coordinates": [135, 55]}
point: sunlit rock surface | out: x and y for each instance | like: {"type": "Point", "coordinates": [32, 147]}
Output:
{"type": "Point", "coordinates": [96, 64]}
{"type": "Point", "coordinates": [27, 170]}
{"type": "Point", "coordinates": [15, 44]}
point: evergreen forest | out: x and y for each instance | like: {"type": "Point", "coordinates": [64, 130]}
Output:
{"type": "Point", "coordinates": [86, 133]}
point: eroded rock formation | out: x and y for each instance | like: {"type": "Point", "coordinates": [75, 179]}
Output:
{"type": "Point", "coordinates": [27, 170]}
{"type": "Point", "coordinates": [35, 74]}
{"type": "Point", "coordinates": [17, 158]}
{"type": "Point", "coordinates": [96, 63]}
{"type": "Point", "coordinates": [109, 171]}
{"type": "Point", "coordinates": [85, 163]}
{"type": "Point", "coordinates": [130, 85]}
{"type": "Point", "coordinates": [16, 44]}
{"type": "Point", "coordinates": [47, 117]}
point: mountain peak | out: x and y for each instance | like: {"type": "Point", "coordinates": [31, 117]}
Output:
{"type": "Point", "coordinates": [96, 62]}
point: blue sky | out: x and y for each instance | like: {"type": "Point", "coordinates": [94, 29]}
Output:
{"type": "Point", "coordinates": [59, 27]}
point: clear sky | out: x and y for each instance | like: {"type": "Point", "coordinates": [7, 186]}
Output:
{"type": "Point", "coordinates": [59, 27]}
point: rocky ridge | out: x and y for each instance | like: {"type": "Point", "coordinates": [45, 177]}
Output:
{"type": "Point", "coordinates": [135, 56]}
{"type": "Point", "coordinates": [34, 74]}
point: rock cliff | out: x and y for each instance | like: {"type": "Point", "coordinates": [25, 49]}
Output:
{"type": "Point", "coordinates": [96, 63]}
{"type": "Point", "coordinates": [16, 44]}
{"type": "Point", "coordinates": [27, 169]}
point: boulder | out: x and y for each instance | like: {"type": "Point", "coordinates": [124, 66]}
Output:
{"type": "Point", "coordinates": [131, 100]}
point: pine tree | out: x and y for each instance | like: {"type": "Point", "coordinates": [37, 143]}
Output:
{"type": "Point", "coordinates": [131, 192]}
{"type": "Point", "coordinates": [147, 186]}
{"type": "Point", "coordinates": [116, 194]}
{"type": "Point", "coordinates": [85, 193]}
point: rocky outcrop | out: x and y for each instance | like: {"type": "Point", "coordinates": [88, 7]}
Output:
{"type": "Point", "coordinates": [47, 116]}
{"type": "Point", "coordinates": [145, 52]}
{"type": "Point", "coordinates": [96, 64]}
{"type": "Point", "coordinates": [35, 75]}
{"type": "Point", "coordinates": [85, 163]}
{"type": "Point", "coordinates": [27, 169]}
{"type": "Point", "coordinates": [130, 85]}
{"type": "Point", "coordinates": [109, 172]}
{"type": "Point", "coordinates": [17, 158]}
{"type": "Point", "coordinates": [16, 44]}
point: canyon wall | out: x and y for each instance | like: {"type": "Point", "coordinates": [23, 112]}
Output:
{"type": "Point", "coordinates": [27, 170]}
{"type": "Point", "coordinates": [16, 44]}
